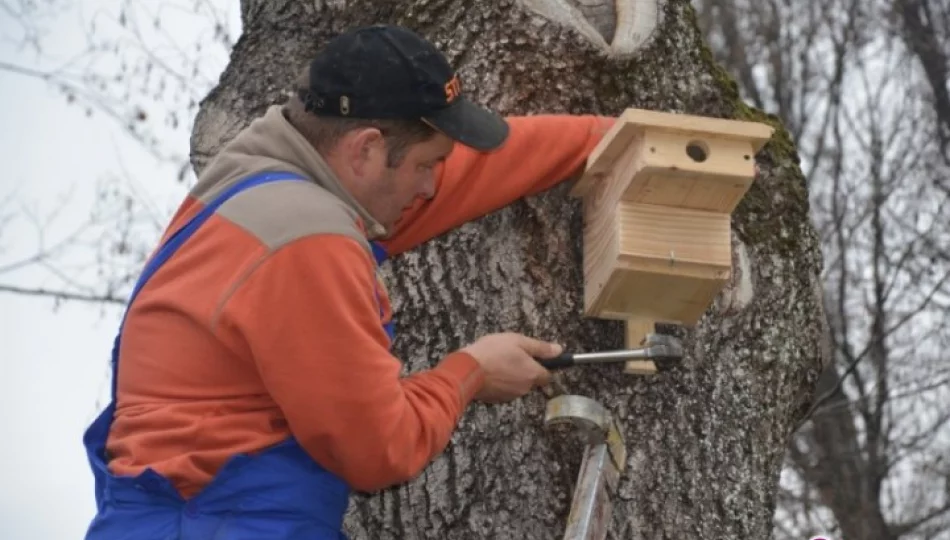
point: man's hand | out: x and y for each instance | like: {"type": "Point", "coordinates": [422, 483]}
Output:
{"type": "Point", "coordinates": [508, 360]}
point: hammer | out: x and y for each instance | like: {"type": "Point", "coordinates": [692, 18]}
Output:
{"type": "Point", "coordinates": [663, 350]}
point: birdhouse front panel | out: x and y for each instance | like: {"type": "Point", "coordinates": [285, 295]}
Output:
{"type": "Point", "coordinates": [686, 170]}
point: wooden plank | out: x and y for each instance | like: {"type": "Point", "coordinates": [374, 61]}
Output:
{"type": "Point", "coordinates": [619, 151]}
{"type": "Point", "coordinates": [639, 367]}
{"type": "Point", "coordinates": [601, 253]}
{"type": "Point", "coordinates": [651, 261]}
{"type": "Point", "coordinates": [660, 297]}
{"type": "Point", "coordinates": [622, 138]}
{"type": "Point", "coordinates": [757, 133]}
{"type": "Point", "coordinates": [601, 242]}
{"type": "Point", "coordinates": [673, 236]}
{"type": "Point", "coordinates": [602, 232]}
{"type": "Point", "coordinates": [684, 190]}
{"type": "Point", "coordinates": [667, 175]}
{"type": "Point", "coordinates": [637, 330]}
{"type": "Point", "coordinates": [634, 124]}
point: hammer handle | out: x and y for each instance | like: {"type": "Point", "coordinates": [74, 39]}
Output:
{"type": "Point", "coordinates": [563, 360]}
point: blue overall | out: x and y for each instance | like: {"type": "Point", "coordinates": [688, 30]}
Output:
{"type": "Point", "coordinates": [278, 494]}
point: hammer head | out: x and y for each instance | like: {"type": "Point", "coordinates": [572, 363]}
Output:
{"type": "Point", "coordinates": [664, 349]}
{"type": "Point", "coordinates": [662, 353]}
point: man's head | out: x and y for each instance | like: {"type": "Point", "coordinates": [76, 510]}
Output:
{"type": "Point", "coordinates": [384, 107]}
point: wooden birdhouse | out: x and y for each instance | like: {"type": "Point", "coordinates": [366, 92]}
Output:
{"type": "Point", "coordinates": [658, 192]}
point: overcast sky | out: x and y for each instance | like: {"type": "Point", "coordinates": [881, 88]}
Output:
{"type": "Point", "coordinates": [53, 372]}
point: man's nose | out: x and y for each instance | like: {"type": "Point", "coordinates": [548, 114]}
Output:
{"type": "Point", "coordinates": [427, 189]}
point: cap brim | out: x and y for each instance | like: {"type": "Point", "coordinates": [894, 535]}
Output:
{"type": "Point", "coordinates": [470, 125]}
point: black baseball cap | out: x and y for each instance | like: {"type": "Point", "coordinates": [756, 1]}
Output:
{"type": "Point", "coordinates": [384, 71]}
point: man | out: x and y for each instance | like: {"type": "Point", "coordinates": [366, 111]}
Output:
{"type": "Point", "coordinates": [255, 387]}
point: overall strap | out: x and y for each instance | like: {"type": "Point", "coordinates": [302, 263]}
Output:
{"type": "Point", "coordinates": [180, 236]}
{"type": "Point", "coordinates": [379, 253]}
{"type": "Point", "coordinates": [381, 256]}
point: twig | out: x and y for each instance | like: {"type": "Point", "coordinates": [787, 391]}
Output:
{"type": "Point", "coordinates": [63, 295]}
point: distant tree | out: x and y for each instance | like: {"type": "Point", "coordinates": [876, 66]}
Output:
{"type": "Point", "coordinates": [859, 86]}
{"type": "Point", "coordinates": [924, 26]}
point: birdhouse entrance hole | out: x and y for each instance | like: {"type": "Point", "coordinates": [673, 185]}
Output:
{"type": "Point", "coordinates": [698, 150]}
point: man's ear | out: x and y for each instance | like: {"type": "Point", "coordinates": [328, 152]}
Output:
{"type": "Point", "coordinates": [365, 147]}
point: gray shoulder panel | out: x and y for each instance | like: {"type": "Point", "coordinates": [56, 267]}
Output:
{"type": "Point", "coordinates": [278, 213]}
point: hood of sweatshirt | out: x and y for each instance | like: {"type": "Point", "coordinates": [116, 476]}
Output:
{"type": "Point", "coordinates": [271, 143]}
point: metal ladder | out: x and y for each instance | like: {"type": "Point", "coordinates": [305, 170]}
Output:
{"type": "Point", "coordinates": [605, 456]}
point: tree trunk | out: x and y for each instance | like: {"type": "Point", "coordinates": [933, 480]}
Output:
{"type": "Point", "coordinates": [705, 442]}
{"type": "Point", "coordinates": [850, 487]}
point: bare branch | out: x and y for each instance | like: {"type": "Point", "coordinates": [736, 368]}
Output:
{"type": "Point", "coordinates": [909, 527]}
{"type": "Point", "coordinates": [921, 36]}
{"type": "Point", "coordinates": [63, 295]}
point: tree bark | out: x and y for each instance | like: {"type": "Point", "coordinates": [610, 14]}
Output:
{"type": "Point", "coordinates": [706, 441]}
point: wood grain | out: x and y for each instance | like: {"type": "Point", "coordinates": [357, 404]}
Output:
{"type": "Point", "coordinates": [669, 263]}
